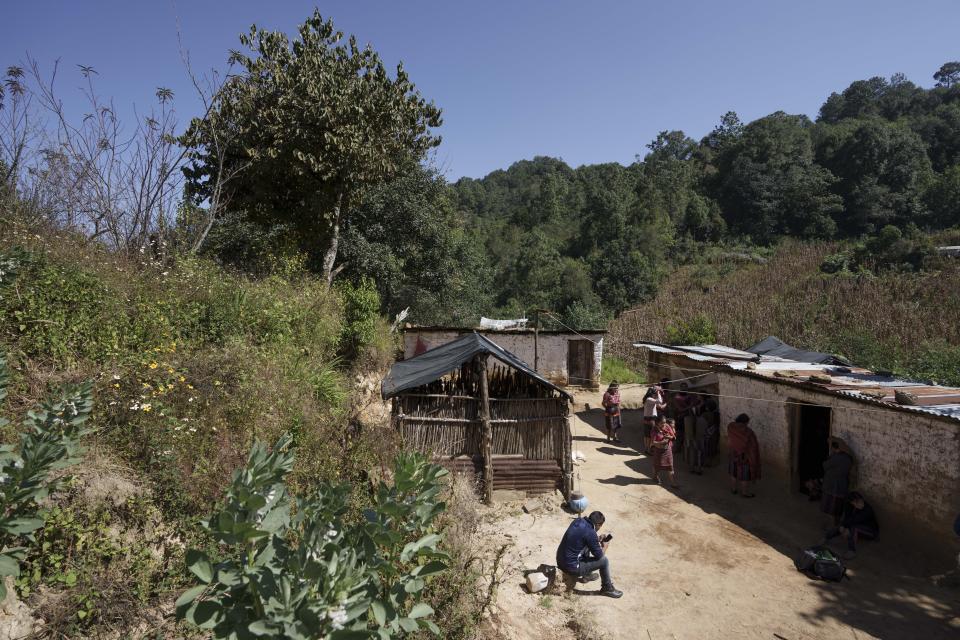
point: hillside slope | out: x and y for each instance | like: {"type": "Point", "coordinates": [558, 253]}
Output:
{"type": "Point", "coordinates": [903, 322]}
{"type": "Point", "coordinates": [190, 365]}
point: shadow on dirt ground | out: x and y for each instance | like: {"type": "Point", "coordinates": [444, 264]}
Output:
{"type": "Point", "coordinates": [889, 593]}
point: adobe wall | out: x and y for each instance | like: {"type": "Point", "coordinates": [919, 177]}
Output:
{"type": "Point", "coordinates": [908, 464]}
{"type": "Point", "coordinates": [552, 349]}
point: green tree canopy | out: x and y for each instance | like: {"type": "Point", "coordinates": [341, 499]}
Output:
{"type": "Point", "coordinates": [314, 122]}
{"type": "Point", "coordinates": [769, 184]}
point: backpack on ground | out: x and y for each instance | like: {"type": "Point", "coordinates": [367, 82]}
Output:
{"type": "Point", "coordinates": [820, 562]}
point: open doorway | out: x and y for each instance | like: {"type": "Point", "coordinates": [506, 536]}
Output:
{"type": "Point", "coordinates": [811, 437]}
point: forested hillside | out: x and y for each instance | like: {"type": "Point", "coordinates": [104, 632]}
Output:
{"type": "Point", "coordinates": [593, 241]}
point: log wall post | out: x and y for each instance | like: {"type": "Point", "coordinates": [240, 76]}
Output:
{"type": "Point", "coordinates": [487, 438]}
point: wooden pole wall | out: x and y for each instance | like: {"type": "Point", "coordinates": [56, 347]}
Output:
{"type": "Point", "coordinates": [487, 432]}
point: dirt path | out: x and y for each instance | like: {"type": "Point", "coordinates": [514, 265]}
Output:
{"type": "Point", "coordinates": [698, 562]}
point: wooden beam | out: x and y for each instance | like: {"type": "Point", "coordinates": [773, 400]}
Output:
{"type": "Point", "coordinates": [487, 441]}
{"type": "Point", "coordinates": [413, 418]}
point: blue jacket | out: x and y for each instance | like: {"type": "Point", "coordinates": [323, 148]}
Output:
{"type": "Point", "coordinates": [580, 536]}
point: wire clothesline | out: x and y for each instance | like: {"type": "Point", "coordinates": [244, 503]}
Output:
{"type": "Point", "coordinates": [561, 323]}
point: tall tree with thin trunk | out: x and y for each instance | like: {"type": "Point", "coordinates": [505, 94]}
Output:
{"type": "Point", "coordinates": [315, 121]}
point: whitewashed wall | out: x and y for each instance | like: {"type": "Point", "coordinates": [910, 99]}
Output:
{"type": "Point", "coordinates": [552, 348]}
{"type": "Point", "coordinates": [908, 463]}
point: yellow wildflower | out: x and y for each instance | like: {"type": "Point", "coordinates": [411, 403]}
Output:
{"type": "Point", "coordinates": [146, 407]}
{"type": "Point", "coordinates": [154, 365]}
{"type": "Point", "coordinates": [182, 379]}
{"type": "Point", "coordinates": [169, 370]}
{"type": "Point", "coordinates": [116, 385]}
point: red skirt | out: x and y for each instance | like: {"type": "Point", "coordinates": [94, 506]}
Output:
{"type": "Point", "coordinates": [662, 458]}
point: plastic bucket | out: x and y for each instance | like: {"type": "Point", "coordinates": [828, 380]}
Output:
{"type": "Point", "coordinates": [536, 582]}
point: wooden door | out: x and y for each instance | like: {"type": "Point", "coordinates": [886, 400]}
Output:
{"type": "Point", "coordinates": [580, 363]}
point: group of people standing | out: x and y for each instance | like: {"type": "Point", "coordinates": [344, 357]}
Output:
{"type": "Point", "coordinates": [680, 422]}
{"type": "Point", "coordinates": [674, 423]}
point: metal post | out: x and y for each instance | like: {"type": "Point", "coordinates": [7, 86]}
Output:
{"type": "Point", "coordinates": [487, 432]}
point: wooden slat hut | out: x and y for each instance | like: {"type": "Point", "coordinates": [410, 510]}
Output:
{"type": "Point", "coordinates": [476, 407]}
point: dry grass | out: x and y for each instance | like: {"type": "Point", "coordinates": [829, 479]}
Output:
{"type": "Point", "coordinates": [894, 317]}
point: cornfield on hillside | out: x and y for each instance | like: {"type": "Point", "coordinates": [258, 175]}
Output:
{"type": "Point", "coordinates": [906, 322]}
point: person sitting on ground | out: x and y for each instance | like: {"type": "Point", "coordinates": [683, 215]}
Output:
{"type": "Point", "coordinates": [858, 521]}
{"type": "Point", "coordinates": [661, 451]}
{"type": "Point", "coordinates": [836, 479]}
{"type": "Point", "coordinates": [582, 552]}
{"type": "Point", "coordinates": [653, 406]}
{"type": "Point", "coordinates": [744, 451]}
{"type": "Point", "coordinates": [611, 412]}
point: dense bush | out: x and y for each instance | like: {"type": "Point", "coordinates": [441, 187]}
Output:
{"type": "Point", "coordinates": [889, 250]}
{"type": "Point", "coordinates": [310, 571]}
{"type": "Point", "coordinates": [698, 329]}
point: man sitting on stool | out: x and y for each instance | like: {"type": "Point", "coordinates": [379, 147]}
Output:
{"type": "Point", "coordinates": [582, 551]}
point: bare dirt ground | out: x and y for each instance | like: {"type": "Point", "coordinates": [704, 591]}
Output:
{"type": "Point", "coordinates": [699, 562]}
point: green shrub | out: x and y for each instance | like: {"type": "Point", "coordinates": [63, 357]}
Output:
{"type": "Point", "coordinates": [839, 262]}
{"type": "Point", "coordinates": [890, 249]}
{"type": "Point", "coordinates": [361, 310]}
{"type": "Point", "coordinates": [102, 560]}
{"type": "Point", "coordinates": [697, 330]}
{"type": "Point", "coordinates": [311, 572]}
{"type": "Point", "coordinates": [51, 442]}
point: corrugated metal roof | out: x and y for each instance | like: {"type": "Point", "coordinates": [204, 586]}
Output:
{"type": "Point", "coordinates": [851, 382]}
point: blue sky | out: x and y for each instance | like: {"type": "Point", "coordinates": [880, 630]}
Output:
{"type": "Point", "coordinates": [587, 81]}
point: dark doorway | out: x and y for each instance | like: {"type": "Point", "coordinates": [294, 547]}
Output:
{"type": "Point", "coordinates": [580, 363]}
{"type": "Point", "coordinates": [812, 441]}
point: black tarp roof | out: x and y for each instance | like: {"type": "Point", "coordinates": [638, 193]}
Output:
{"type": "Point", "coordinates": [435, 363]}
{"type": "Point", "coordinates": [773, 346]}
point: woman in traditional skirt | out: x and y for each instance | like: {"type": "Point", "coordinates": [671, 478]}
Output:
{"type": "Point", "coordinates": [653, 406]}
{"type": "Point", "coordinates": [661, 450]}
{"type": "Point", "coordinates": [744, 450]}
{"type": "Point", "coordinates": [611, 412]}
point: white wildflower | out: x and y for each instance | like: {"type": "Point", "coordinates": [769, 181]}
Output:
{"type": "Point", "coordinates": [338, 617]}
